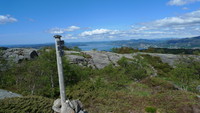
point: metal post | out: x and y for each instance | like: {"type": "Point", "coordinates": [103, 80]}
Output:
{"type": "Point", "coordinates": [60, 71]}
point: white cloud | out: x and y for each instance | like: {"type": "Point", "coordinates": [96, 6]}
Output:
{"type": "Point", "coordinates": [7, 19]}
{"type": "Point", "coordinates": [95, 32]}
{"type": "Point", "coordinates": [69, 36]}
{"type": "Point", "coordinates": [188, 19]}
{"type": "Point", "coordinates": [186, 25]}
{"type": "Point", "coordinates": [72, 28]}
{"type": "Point", "coordinates": [181, 26]}
{"type": "Point", "coordinates": [57, 30]}
{"type": "Point", "coordinates": [181, 2]}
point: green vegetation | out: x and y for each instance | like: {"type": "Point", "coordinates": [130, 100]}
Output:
{"type": "Point", "coordinates": [162, 69]}
{"type": "Point", "coordinates": [187, 74]}
{"type": "Point", "coordinates": [141, 84]}
{"type": "Point", "coordinates": [150, 109]}
{"type": "Point", "coordinates": [171, 51]}
{"type": "Point", "coordinates": [39, 76]}
{"type": "Point", "coordinates": [28, 104]}
{"type": "Point", "coordinates": [3, 48]}
{"type": "Point", "coordinates": [135, 69]}
{"type": "Point", "coordinates": [125, 50]}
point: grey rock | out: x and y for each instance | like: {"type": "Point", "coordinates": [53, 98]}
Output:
{"type": "Point", "coordinates": [57, 105]}
{"type": "Point", "coordinates": [72, 52]}
{"type": "Point", "coordinates": [100, 60]}
{"type": "Point", "coordinates": [113, 58]}
{"type": "Point", "coordinates": [74, 106]}
{"type": "Point", "coordinates": [77, 105]}
{"type": "Point", "coordinates": [82, 111]}
{"type": "Point", "coordinates": [76, 59]}
{"type": "Point", "coordinates": [67, 108]}
{"type": "Point", "coordinates": [7, 94]}
{"type": "Point", "coordinates": [166, 58]}
{"type": "Point", "coordinates": [19, 54]}
{"type": "Point", "coordinates": [198, 88]}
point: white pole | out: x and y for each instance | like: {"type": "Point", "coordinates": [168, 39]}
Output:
{"type": "Point", "coordinates": [60, 73]}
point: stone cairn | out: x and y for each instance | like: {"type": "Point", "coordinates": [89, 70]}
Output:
{"type": "Point", "coordinates": [74, 106]}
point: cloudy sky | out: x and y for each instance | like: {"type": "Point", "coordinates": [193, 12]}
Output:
{"type": "Point", "coordinates": [36, 21]}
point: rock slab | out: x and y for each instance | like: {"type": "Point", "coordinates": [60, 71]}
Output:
{"type": "Point", "coordinates": [7, 94]}
{"type": "Point", "coordinates": [19, 54]}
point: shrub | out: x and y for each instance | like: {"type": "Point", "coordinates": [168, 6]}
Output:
{"type": "Point", "coordinates": [186, 74]}
{"type": "Point", "coordinates": [150, 109]}
{"type": "Point", "coordinates": [163, 69]}
{"type": "Point", "coordinates": [158, 82]}
{"type": "Point", "coordinates": [28, 104]}
{"type": "Point", "coordinates": [39, 76]}
{"type": "Point", "coordinates": [135, 69]}
{"type": "Point", "coordinates": [124, 50]}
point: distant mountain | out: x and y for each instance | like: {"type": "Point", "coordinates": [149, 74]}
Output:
{"type": "Point", "coordinates": [190, 43]}
{"type": "Point", "coordinates": [141, 43]}
{"type": "Point", "coordinates": [193, 42]}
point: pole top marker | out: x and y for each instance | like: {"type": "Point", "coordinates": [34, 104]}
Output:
{"type": "Point", "coordinates": [57, 36]}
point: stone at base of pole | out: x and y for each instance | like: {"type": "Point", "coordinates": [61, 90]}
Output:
{"type": "Point", "coordinates": [74, 106]}
{"type": "Point", "coordinates": [67, 109]}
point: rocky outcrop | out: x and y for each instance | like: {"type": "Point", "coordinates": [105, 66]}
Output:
{"type": "Point", "coordinates": [100, 59]}
{"type": "Point", "coordinates": [74, 106]}
{"type": "Point", "coordinates": [95, 59]}
{"type": "Point", "coordinates": [8, 94]}
{"type": "Point", "coordinates": [19, 54]}
{"type": "Point", "coordinates": [166, 58]}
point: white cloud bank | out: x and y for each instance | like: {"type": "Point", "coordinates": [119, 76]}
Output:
{"type": "Point", "coordinates": [181, 26]}
{"type": "Point", "coordinates": [57, 30]}
{"type": "Point", "coordinates": [95, 32]}
{"type": "Point", "coordinates": [186, 25]}
{"type": "Point", "coordinates": [181, 2]}
{"type": "Point", "coordinates": [7, 19]}
{"type": "Point", "coordinates": [188, 19]}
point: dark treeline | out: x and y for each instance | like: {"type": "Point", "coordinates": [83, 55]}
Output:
{"type": "Point", "coordinates": [3, 48]}
{"type": "Point", "coordinates": [125, 50]}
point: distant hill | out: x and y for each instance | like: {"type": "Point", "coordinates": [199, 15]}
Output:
{"type": "Point", "coordinates": [193, 42]}
{"type": "Point", "coordinates": [141, 43]}
{"type": "Point", "coordinates": [187, 43]}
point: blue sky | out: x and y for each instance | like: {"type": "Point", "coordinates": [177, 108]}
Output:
{"type": "Point", "coordinates": [36, 21]}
